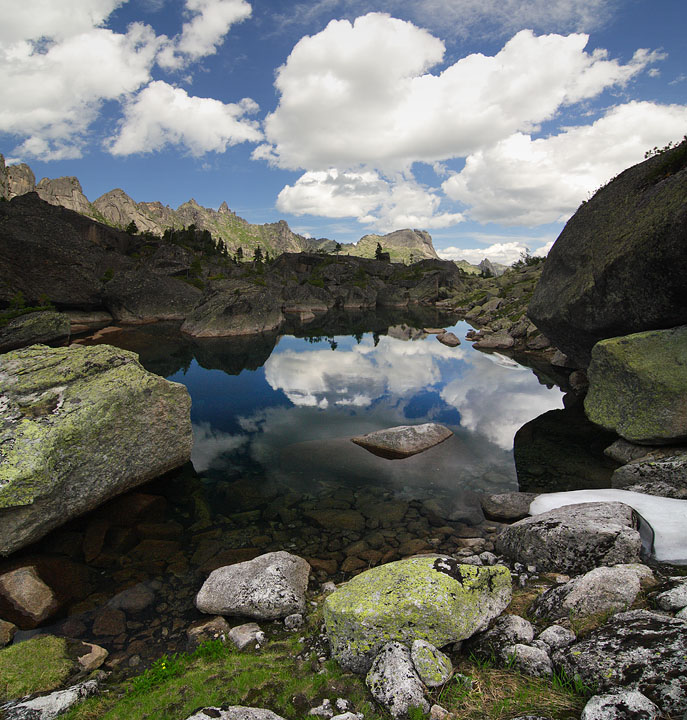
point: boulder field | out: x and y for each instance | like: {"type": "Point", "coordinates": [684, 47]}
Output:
{"type": "Point", "coordinates": [77, 426]}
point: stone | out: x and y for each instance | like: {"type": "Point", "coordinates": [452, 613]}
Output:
{"type": "Point", "coordinates": [431, 598]}
{"type": "Point", "coordinates": [25, 598]}
{"type": "Point", "coordinates": [432, 666]}
{"type": "Point", "coordinates": [675, 598]}
{"type": "Point", "coordinates": [636, 386]}
{"type": "Point", "coordinates": [339, 519]}
{"type": "Point", "coordinates": [216, 628]}
{"type": "Point", "coordinates": [448, 338]}
{"type": "Point", "coordinates": [393, 682]}
{"type": "Point", "coordinates": [507, 506]}
{"type": "Point", "coordinates": [556, 637]}
{"type": "Point", "coordinates": [507, 631]}
{"type": "Point", "coordinates": [133, 599]}
{"type": "Point", "coordinates": [47, 327]}
{"type": "Point", "coordinates": [247, 634]}
{"type": "Point", "coordinates": [528, 660]}
{"type": "Point", "coordinates": [324, 710]}
{"type": "Point", "coordinates": [294, 621]}
{"type": "Point", "coordinates": [234, 712]}
{"type": "Point", "coordinates": [500, 340]}
{"type": "Point", "coordinates": [120, 424]}
{"type": "Point", "coordinates": [7, 631]}
{"type": "Point", "coordinates": [624, 452]}
{"type": "Point", "coordinates": [601, 590]}
{"type": "Point", "coordinates": [656, 475]}
{"type": "Point", "coordinates": [93, 658]}
{"type": "Point", "coordinates": [574, 538]}
{"type": "Point", "coordinates": [404, 440]}
{"type": "Point", "coordinates": [620, 265]}
{"type": "Point", "coordinates": [639, 650]}
{"type": "Point", "coordinates": [436, 712]}
{"type": "Point", "coordinates": [48, 707]}
{"type": "Point", "coordinates": [269, 587]}
{"type": "Point", "coordinates": [623, 705]}
{"type": "Point", "coordinates": [109, 622]}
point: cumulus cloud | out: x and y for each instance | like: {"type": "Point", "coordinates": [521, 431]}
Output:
{"type": "Point", "coordinates": [360, 94]}
{"type": "Point", "coordinates": [163, 115]}
{"type": "Point", "coordinates": [210, 22]}
{"type": "Point", "coordinates": [505, 252]}
{"type": "Point", "coordinates": [59, 64]}
{"type": "Point", "coordinates": [367, 196]}
{"type": "Point", "coordinates": [521, 181]}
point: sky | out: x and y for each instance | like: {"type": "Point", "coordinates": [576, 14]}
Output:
{"type": "Point", "coordinates": [484, 122]}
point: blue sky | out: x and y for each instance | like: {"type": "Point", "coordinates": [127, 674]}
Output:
{"type": "Point", "coordinates": [485, 122]}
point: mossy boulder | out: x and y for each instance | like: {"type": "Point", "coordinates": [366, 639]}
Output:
{"type": "Point", "coordinates": [45, 326]}
{"type": "Point", "coordinates": [430, 598]}
{"type": "Point", "coordinates": [79, 425]}
{"type": "Point", "coordinates": [638, 385]}
{"type": "Point", "coordinates": [620, 264]}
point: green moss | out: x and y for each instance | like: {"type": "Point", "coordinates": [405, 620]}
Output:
{"type": "Point", "coordinates": [37, 665]}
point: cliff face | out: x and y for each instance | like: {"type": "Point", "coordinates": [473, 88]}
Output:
{"type": "Point", "coordinates": [402, 245]}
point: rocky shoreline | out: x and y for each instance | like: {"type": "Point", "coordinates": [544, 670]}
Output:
{"type": "Point", "coordinates": [632, 656]}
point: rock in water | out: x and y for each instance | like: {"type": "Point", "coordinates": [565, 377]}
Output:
{"type": "Point", "coordinates": [79, 425]}
{"type": "Point", "coordinates": [574, 538]}
{"type": "Point", "coordinates": [620, 264]}
{"type": "Point", "coordinates": [404, 440]}
{"type": "Point", "coordinates": [270, 586]}
{"type": "Point", "coordinates": [637, 386]}
{"type": "Point", "coordinates": [429, 598]}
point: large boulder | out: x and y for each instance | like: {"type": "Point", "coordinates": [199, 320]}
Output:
{"type": "Point", "coordinates": [637, 386]}
{"type": "Point", "coordinates": [270, 586]}
{"type": "Point", "coordinates": [46, 326]}
{"type": "Point", "coordinates": [79, 425]}
{"type": "Point", "coordinates": [574, 538]}
{"type": "Point", "coordinates": [639, 650]}
{"type": "Point", "coordinates": [429, 598]}
{"type": "Point", "coordinates": [620, 264]}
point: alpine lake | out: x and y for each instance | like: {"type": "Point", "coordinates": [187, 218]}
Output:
{"type": "Point", "coordinates": [273, 467]}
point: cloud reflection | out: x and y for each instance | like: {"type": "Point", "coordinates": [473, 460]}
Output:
{"type": "Point", "coordinates": [210, 444]}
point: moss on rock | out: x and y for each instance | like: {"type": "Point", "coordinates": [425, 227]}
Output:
{"type": "Point", "coordinates": [430, 598]}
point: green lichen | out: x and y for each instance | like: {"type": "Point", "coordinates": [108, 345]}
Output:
{"type": "Point", "coordinates": [412, 599]}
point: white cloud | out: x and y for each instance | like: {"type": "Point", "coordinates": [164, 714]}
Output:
{"type": "Point", "coordinates": [521, 181]}
{"type": "Point", "coordinates": [52, 97]}
{"type": "Point", "coordinates": [210, 444]}
{"type": "Point", "coordinates": [163, 115]}
{"type": "Point", "coordinates": [360, 94]}
{"type": "Point", "coordinates": [384, 205]}
{"type": "Point", "coordinates": [210, 22]}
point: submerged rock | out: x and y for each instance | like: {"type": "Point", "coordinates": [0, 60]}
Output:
{"type": "Point", "coordinates": [404, 440]}
{"type": "Point", "coordinates": [269, 587]}
{"type": "Point", "coordinates": [574, 538]}
{"type": "Point", "coordinates": [79, 425]}
{"type": "Point", "coordinates": [637, 385]}
{"type": "Point", "coordinates": [429, 598]}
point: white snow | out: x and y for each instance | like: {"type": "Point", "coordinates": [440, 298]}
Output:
{"type": "Point", "coordinates": [667, 516]}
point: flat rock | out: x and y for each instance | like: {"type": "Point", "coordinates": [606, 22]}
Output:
{"type": "Point", "coordinates": [637, 384]}
{"type": "Point", "coordinates": [432, 598]}
{"type": "Point", "coordinates": [636, 650]}
{"type": "Point", "coordinates": [507, 506]}
{"type": "Point", "coordinates": [655, 474]}
{"type": "Point", "coordinates": [234, 712]}
{"type": "Point", "coordinates": [47, 707]}
{"type": "Point", "coordinates": [71, 416]}
{"type": "Point", "coordinates": [623, 705]}
{"type": "Point", "coordinates": [574, 538]}
{"type": "Point", "coordinates": [269, 587]}
{"type": "Point", "coordinates": [46, 327]}
{"type": "Point", "coordinates": [404, 440]}
{"type": "Point", "coordinates": [500, 340]}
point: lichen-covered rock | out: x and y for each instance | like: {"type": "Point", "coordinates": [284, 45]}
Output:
{"type": "Point", "coordinates": [404, 440]}
{"type": "Point", "coordinates": [654, 474]}
{"type": "Point", "coordinates": [603, 589]}
{"type": "Point", "coordinates": [431, 598]}
{"type": "Point", "coordinates": [394, 683]}
{"type": "Point", "coordinates": [528, 660]}
{"type": "Point", "coordinates": [234, 712]}
{"type": "Point", "coordinates": [637, 385]}
{"type": "Point", "coordinates": [434, 667]}
{"type": "Point", "coordinates": [268, 587]}
{"type": "Point", "coordinates": [639, 650]}
{"type": "Point", "coordinates": [623, 705]}
{"type": "Point", "coordinates": [508, 630]}
{"type": "Point", "coordinates": [574, 538]}
{"type": "Point", "coordinates": [79, 425]}
{"type": "Point", "coordinates": [48, 707]}
{"type": "Point", "coordinates": [675, 598]}
{"type": "Point", "coordinates": [556, 637]}
{"type": "Point", "coordinates": [620, 264]}
{"type": "Point", "coordinates": [46, 326]}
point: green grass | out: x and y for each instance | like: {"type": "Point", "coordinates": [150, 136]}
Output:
{"type": "Point", "coordinates": [36, 665]}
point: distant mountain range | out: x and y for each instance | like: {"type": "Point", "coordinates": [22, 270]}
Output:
{"type": "Point", "coordinates": [117, 209]}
